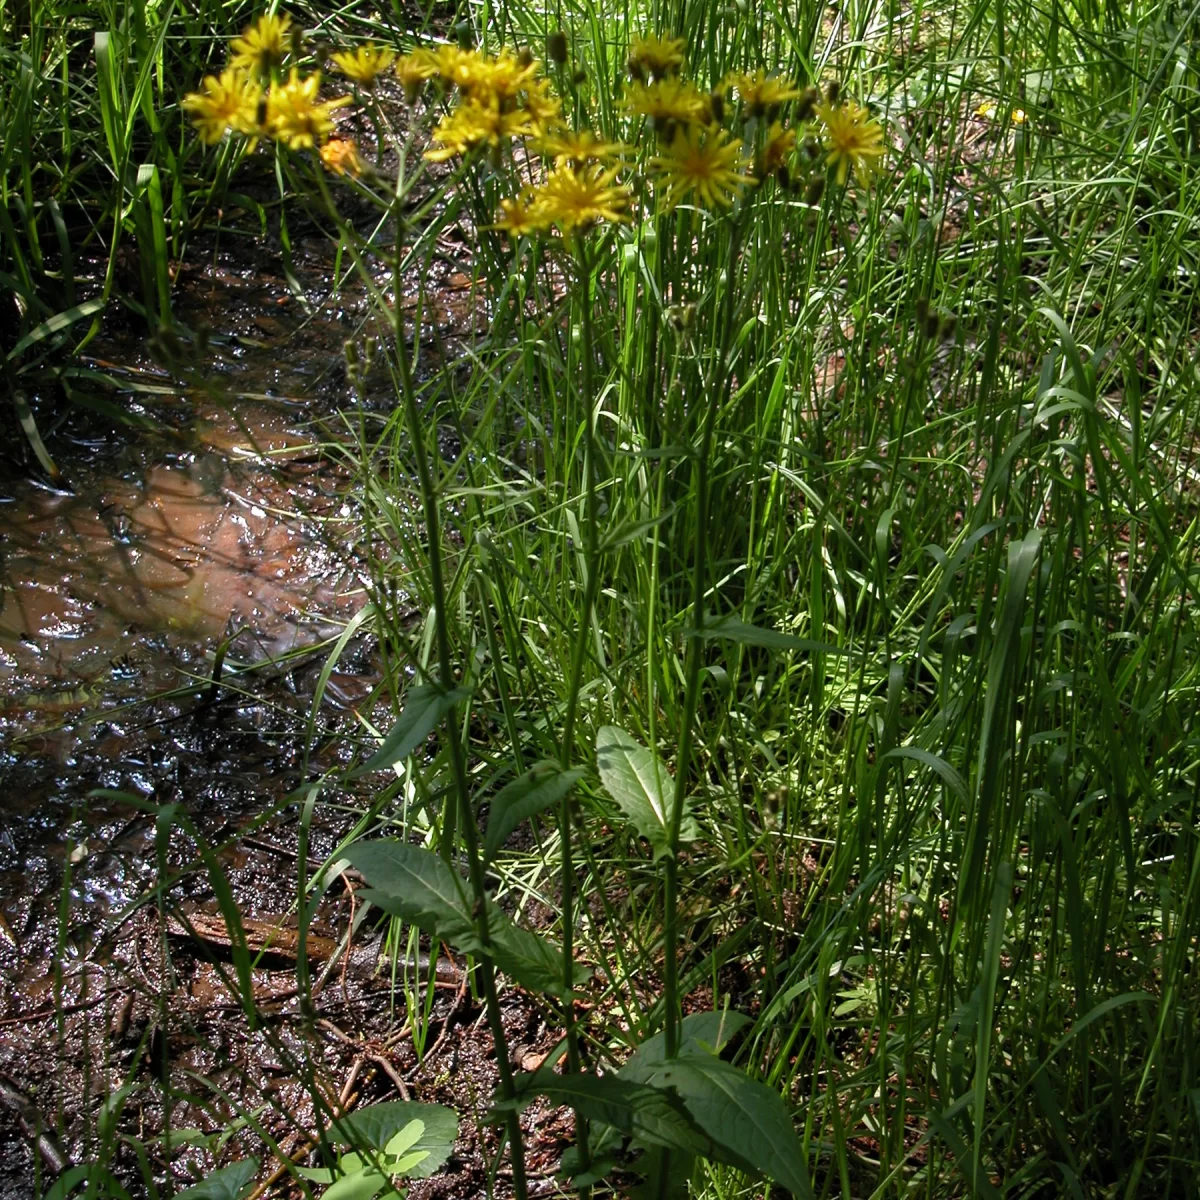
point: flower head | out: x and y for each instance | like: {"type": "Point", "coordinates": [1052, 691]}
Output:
{"type": "Point", "coordinates": [262, 45]}
{"type": "Point", "coordinates": [761, 92]}
{"type": "Point", "coordinates": [579, 147]}
{"type": "Point", "coordinates": [577, 197]}
{"type": "Point", "coordinates": [854, 141]}
{"type": "Point", "coordinates": [295, 117]}
{"type": "Point", "coordinates": [365, 64]}
{"type": "Point", "coordinates": [414, 70]}
{"type": "Point", "coordinates": [708, 162]}
{"type": "Point", "coordinates": [472, 124]}
{"type": "Point", "coordinates": [544, 108]}
{"type": "Point", "coordinates": [340, 155]}
{"type": "Point", "coordinates": [666, 100]}
{"type": "Point", "coordinates": [655, 56]}
{"type": "Point", "coordinates": [521, 215]}
{"type": "Point", "coordinates": [227, 101]}
{"type": "Point", "coordinates": [776, 150]}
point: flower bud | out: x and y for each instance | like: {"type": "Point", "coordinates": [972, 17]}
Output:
{"type": "Point", "coordinates": [716, 104]}
{"type": "Point", "coordinates": [833, 92]}
{"type": "Point", "coordinates": [556, 47]}
{"type": "Point", "coordinates": [815, 190]}
{"type": "Point", "coordinates": [525, 57]}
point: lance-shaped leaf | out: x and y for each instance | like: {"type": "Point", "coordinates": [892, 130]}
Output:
{"type": "Point", "coordinates": [700, 1033]}
{"type": "Point", "coordinates": [652, 1115]}
{"type": "Point", "coordinates": [734, 629]}
{"type": "Point", "coordinates": [424, 707]}
{"type": "Point", "coordinates": [640, 783]}
{"type": "Point", "coordinates": [416, 884]}
{"type": "Point", "coordinates": [747, 1121]}
{"type": "Point", "coordinates": [536, 790]}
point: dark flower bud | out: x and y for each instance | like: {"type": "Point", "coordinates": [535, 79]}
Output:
{"type": "Point", "coordinates": [784, 177]}
{"type": "Point", "coordinates": [579, 77]}
{"type": "Point", "coordinates": [465, 35]}
{"type": "Point", "coordinates": [556, 47]}
{"type": "Point", "coordinates": [922, 307]}
{"type": "Point", "coordinates": [815, 190]}
{"type": "Point", "coordinates": [948, 327]}
{"type": "Point", "coordinates": [716, 103]}
{"type": "Point", "coordinates": [809, 99]}
{"type": "Point", "coordinates": [833, 93]}
{"type": "Point", "coordinates": [525, 57]}
{"type": "Point", "coordinates": [635, 70]}
{"type": "Point", "coordinates": [297, 41]}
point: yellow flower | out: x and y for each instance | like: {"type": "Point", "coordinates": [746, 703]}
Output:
{"type": "Point", "coordinates": [657, 56]}
{"type": "Point", "coordinates": [583, 146]}
{"type": "Point", "coordinates": [229, 101]}
{"type": "Point", "coordinates": [262, 45]}
{"type": "Point", "coordinates": [760, 91]}
{"type": "Point", "coordinates": [853, 139]}
{"type": "Point", "coordinates": [340, 155]}
{"type": "Point", "coordinates": [577, 197]}
{"type": "Point", "coordinates": [521, 215]}
{"type": "Point", "coordinates": [776, 149]}
{"type": "Point", "coordinates": [294, 116]}
{"type": "Point", "coordinates": [414, 70]}
{"type": "Point", "coordinates": [543, 107]}
{"type": "Point", "coordinates": [472, 124]}
{"type": "Point", "coordinates": [708, 162]}
{"type": "Point", "coordinates": [666, 100]}
{"type": "Point", "coordinates": [365, 64]}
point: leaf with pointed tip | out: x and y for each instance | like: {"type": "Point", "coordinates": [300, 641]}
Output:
{"type": "Point", "coordinates": [747, 1121]}
{"type": "Point", "coordinates": [532, 961]}
{"type": "Point", "coordinates": [700, 1033]}
{"type": "Point", "coordinates": [424, 707]}
{"type": "Point", "coordinates": [734, 629]}
{"type": "Point", "coordinates": [639, 782]}
{"type": "Point", "coordinates": [540, 787]}
{"type": "Point", "coordinates": [416, 884]}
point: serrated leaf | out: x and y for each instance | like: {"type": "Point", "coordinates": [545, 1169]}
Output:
{"type": "Point", "coordinates": [640, 783]}
{"type": "Point", "coordinates": [414, 883]}
{"type": "Point", "coordinates": [654, 1116]}
{"type": "Point", "coordinates": [225, 1183]}
{"type": "Point", "coordinates": [748, 1122]}
{"type": "Point", "coordinates": [540, 787]}
{"type": "Point", "coordinates": [734, 629]}
{"type": "Point", "coordinates": [424, 707]}
{"type": "Point", "coordinates": [700, 1033]}
{"type": "Point", "coordinates": [377, 1124]}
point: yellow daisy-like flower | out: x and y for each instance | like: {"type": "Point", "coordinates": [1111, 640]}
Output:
{"type": "Point", "coordinates": [654, 55]}
{"type": "Point", "coordinates": [262, 45]}
{"type": "Point", "coordinates": [365, 64]}
{"type": "Point", "coordinates": [521, 215]}
{"type": "Point", "coordinates": [776, 150]}
{"type": "Point", "coordinates": [294, 115]}
{"type": "Point", "coordinates": [666, 100]}
{"type": "Point", "coordinates": [472, 124]}
{"type": "Point", "coordinates": [577, 197]}
{"type": "Point", "coordinates": [580, 147]}
{"type": "Point", "coordinates": [760, 92]}
{"type": "Point", "coordinates": [228, 101]}
{"type": "Point", "coordinates": [853, 139]}
{"type": "Point", "coordinates": [504, 77]}
{"type": "Point", "coordinates": [544, 108]}
{"type": "Point", "coordinates": [340, 155]}
{"type": "Point", "coordinates": [708, 162]}
{"type": "Point", "coordinates": [415, 70]}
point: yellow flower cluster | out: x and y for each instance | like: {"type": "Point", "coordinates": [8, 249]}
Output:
{"type": "Point", "coordinates": [253, 98]}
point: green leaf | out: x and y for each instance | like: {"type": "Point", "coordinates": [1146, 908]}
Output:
{"type": "Point", "coordinates": [733, 629]}
{"type": "Point", "coordinates": [378, 1124]}
{"type": "Point", "coordinates": [225, 1183]}
{"type": "Point", "coordinates": [641, 785]}
{"type": "Point", "coordinates": [404, 1140]}
{"type": "Point", "coordinates": [424, 707]}
{"type": "Point", "coordinates": [654, 1116]}
{"type": "Point", "coordinates": [54, 324]}
{"type": "Point", "coordinates": [700, 1033]}
{"type": "Point", "coordinates": [363, 1184]}
{"type": "Point", "coordinates": [532, 961]}
{"type": "Point", "coordinates": [416, 884]}
{"type": "Point", "coordinates": [540, 787]}
{"type": "Point", "coordinates": [747, 1121]}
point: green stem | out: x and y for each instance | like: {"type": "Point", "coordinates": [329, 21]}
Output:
{"type": "Point", "coordinates": [466, 818]}
{"type": "Point", "coordinates": [717, 385]}
{"type": "Point", "coordinates": [591, 553]}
